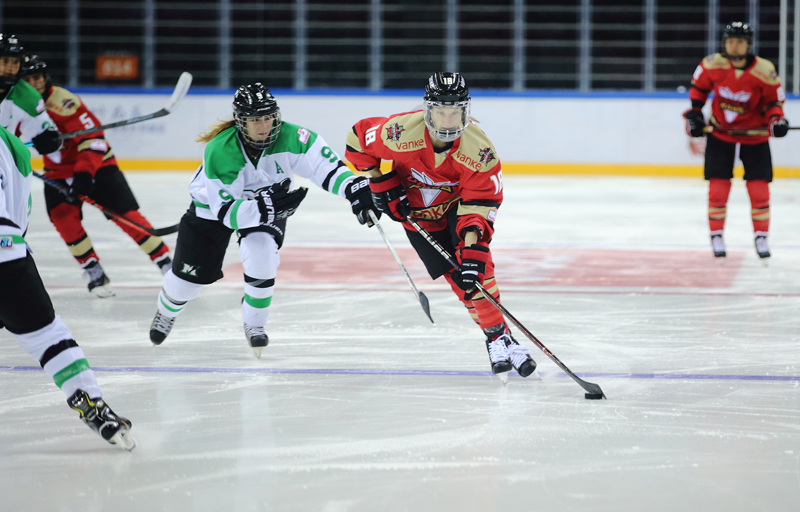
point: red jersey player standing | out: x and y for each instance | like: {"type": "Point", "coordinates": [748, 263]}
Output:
{"type": "Point", "coordinates": [87, 165]}
{"type": "Point", "coordinates": [446, 175]}
{"type": "Point", "coordinates": [747, 109]}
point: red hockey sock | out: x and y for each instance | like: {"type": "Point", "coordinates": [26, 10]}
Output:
{"type": "Point", "coordinates": [153, 246]}
{"type": "Point", "coordinates": [759, 203]}
{"type": "Point", "coordinates": [67, 220]}
{"type": "Point", "coordinates": [718, 191]}
{"type": "Point", "coordinates": [481, 311]}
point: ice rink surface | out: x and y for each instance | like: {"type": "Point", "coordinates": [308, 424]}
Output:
{"type": "Point", "coordinates": [361, 404]}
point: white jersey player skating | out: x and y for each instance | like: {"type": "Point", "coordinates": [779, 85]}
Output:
{"type": "Point", "coordinates": [25, 307]}
{"type": "Point", "coordinates": [244, 185]}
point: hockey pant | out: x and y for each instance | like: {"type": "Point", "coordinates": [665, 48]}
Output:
{"type": "Point", "coordinates": [27, 312]}
{"type": "Point", "coordinates": [260, 259]}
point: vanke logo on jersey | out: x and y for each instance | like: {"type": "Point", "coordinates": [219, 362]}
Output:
{"type": "Point", "coordinates": [429, 188]}
{"type": "Point", "coordinates": [735, 105]}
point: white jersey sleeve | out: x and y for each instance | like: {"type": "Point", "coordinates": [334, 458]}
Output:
{"type": "Point", "coordinates": [15, 196]}
{"type": "Point", "coordinates": [23, 112]}
{"type": "Point", "coordinates": [320, 164]}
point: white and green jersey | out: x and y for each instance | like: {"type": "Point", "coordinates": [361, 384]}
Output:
{"type": "Point", "coordinates": [224, 186]}
{"type": "Point", "coordinates": [23, 112]}
{"type": "Point", "coordinates": [15, 196]}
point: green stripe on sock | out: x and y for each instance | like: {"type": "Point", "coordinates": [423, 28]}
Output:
{"type": "Point", "coordinates": [234, 209]}
{"type": "Point", "coordinates": [70, 371]}
{"type": "Point", "coordinates": [339, 180]}
{"type": "Point", "coordinates": [169, 308]}
{"type": "Point", "coordinates": [258, 303]}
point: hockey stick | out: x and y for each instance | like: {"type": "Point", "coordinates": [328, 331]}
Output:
{"type": "Point", "coordinates": [181, 88]}
{"type": "Point", "coordinates": [593, 390]}
{"type": "Point", "coordinates": [423, 300]}
{"type": "Point", "coordinates": [711, 129]}
{"type": "Point", "coordinates": [64, 190]}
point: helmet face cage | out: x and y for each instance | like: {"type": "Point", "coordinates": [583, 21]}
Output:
{"type": "Point", "coordinates": [255, 104]}
{"type": "Point", "coordinates": [444, 92]}
{"type": "Point", "coordinates": [737, 29]}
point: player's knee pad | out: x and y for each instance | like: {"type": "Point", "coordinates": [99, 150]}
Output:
{"type": "Point", "coordinates": [259, 254]}
{"type": "Point", "coordinates": [37, 342]}
{"type": "Point", "coordinates": [179, 289]}
{"type": "Point", "coordinates": [67, 220]}
{"type": "Point", "coordinates": [758, 190]}
{"type": "Point", "coordinates": [718, 191]}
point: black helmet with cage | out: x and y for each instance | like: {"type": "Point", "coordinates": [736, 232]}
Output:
{"type": "Point", "coordinates": [446, 92]}
{"type": "Point", "coordinates": [32, 64]}
{"type": "Point", "coordinates": [255, 104]}
{"type": "Point", "coordinates": [740, 30]}
{"type": "Point", "coordinates": [9, 47]}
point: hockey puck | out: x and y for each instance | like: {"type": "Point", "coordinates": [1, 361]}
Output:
{"type": "Point", "coordinates": [593, 396]}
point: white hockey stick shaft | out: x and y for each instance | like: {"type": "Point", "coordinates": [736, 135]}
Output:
{"type": "Point", "coordinates": [181, 88]}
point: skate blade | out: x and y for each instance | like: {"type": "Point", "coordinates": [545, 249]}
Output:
{"type": "Point", "coordinates": [765, 262]}
{"type": "Point", "coordinates": [720, 261]}
{"type": "Point", "coordinates": [124, 440]}
{"type": "Point", "coordinates": [103, 291]}
{"type": "Point", "coordinates": [503, 378]}
{"type": "Point", "coordinates": [257, 351]}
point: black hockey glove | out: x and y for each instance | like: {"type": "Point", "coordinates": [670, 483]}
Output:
{"type": "Point", "coordinates": [695, 122]}
{"type": "Point", "coordinates": [778, 126]}
{"type": "Point", "coordinates": [276, 202]}
{"type": "Point", "coordinates": [82, 184]}
{"type": "Point", "coordinates": [360, 198]}
{"type": "Point", "coordinates": [473, 261]}
{"type": "Point", "coordinates": [46, 142]}
{"type": "Point", "coordinates": [389, 196]}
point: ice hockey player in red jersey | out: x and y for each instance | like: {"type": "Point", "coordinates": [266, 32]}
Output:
{"type": "Point", "coordinates": [87, 166]}
{"type": "Point", "coordinates": [747, 109]}
{"type": "Point", "coordinates": [447, 176]}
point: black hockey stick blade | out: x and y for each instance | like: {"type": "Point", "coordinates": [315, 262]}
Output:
{"type": "Point", "coordinates": [166, 230]}
{"type": "Point", "coordinates": [426, 307]}
{"type": "Point", "coordinates": [181, 88]}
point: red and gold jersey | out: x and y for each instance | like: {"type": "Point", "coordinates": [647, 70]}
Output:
{"type": "Point", "coordinates": [467, 176]}
{"type": "Point", "coordinates": [86, 153]}
{"type": "Point", "coordinates": [744, 99]}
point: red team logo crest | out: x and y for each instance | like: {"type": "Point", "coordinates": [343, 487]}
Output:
{"type": "Point", "coordinates": [393, 132]}
{"type": "Point", "coordinates": [68, 103]}
{"type": "Point", "coordinates": [486, 155]}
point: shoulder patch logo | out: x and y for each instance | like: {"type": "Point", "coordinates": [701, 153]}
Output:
{"type": "Point", "coordinates": [303, 135]}
{"type": "Point", "coordinates": [486, 155]}
{"type": "Point", "coordinates": [68, 103]}
{"type": "Point", "coordinates": [40, 107]}
{"type": "Point", "coordinates": [393, 132]}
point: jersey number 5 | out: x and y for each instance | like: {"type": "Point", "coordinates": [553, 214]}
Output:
{"type": "Point", "coordinates": [498, 182]}
{"type": "Point", "coordinates": [86, 120]}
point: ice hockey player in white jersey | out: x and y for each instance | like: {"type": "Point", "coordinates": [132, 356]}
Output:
{"type": "Point", "coordinates": [22, 108]}
{"type": "Point", "coordinates": [27, 312]}
{"type": "Point", "coordinates": [244, 185]}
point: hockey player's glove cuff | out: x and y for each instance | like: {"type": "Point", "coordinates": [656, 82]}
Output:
{"type": "Point", "coordinates": [276, 202]}
{"type": "Point", "coordinates": [473, 261]}
{"type": "Point", "coordinates": [778, 126]}
{"type": "Point", "coordinates": [695, 122]}
{"type": "Point", "coordinates": [46, 142]}
{"type": "Point", "coordinates": [389, 196]}
{"type": "Point", "coordinates": [360, 197]}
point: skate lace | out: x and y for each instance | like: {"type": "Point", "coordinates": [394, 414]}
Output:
{"type": "Point", "coordinates": [251, 331]}
{"type": "Point", "coordinates": [717, 243]}
{"type": "Point", "coordinates": [162, 323]}
{"type": "Point", "coordinates": [518, 355]}
{"type": "Point", "coordinates": [498, 351]}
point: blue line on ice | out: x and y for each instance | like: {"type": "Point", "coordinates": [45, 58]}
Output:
{"type": "Point", "coordinates": [339, 371]}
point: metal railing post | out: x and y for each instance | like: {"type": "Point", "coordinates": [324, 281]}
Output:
{"type": "Point", "coordinates": [796, 53]}
{"type": "Point", "coordinates": [73, 44]}
{"type": "Point", "coordinates": [149, 43]}
{"type": "Point", "coordinates": [451, 38]}
{"type": "Point", "coordinates": [224, 81]}
{"type": "Point", "coordinates": [585, 58]}
{"type": "Point", "coordinates": [649, 46]}
{"type": "Point", "coordinates": [784, 26]}
{"type": "Point", "coordinates": [712, 43]}
{"type": "Point", "coordinates": [376, 46]}
{"type": "Point", "coordinates": [752, 16]}
{"type": "Point", "coordinates": [519, 67]}
{"type": "Point", "coordinates": [300, 62]}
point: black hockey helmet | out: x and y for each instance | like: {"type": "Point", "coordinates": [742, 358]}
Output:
{"type": "Point", "coordinates": [32, 64]}
{"type": "Point", "coordinates": [9, 46]}
{"type": "Point", "coordinates": [256, 102]}
{"type": "Point", "coordinates": [446, 90]}
{"type": "Point", "coordinates": [737, 29]}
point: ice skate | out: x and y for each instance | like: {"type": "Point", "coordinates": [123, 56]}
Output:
{"type": "Point", "coordinates": [99, 283]}
{"type": "Point", "coordinates": [257, 338]}
{"type": "Point", "coordinates": [718, 246]}
{"type": "Point", "coordinates": [160, 328]}
{"type": "Point", "coordinates": [498, 355]}
{"type": "Point", "coordinates": [520, 356]}
{"type": "Point", "coordinates": [164, 264]}
{"type": "Point", "coordinates": [100, 418]}
{"type": "Point", "coordinates": [762, 248]}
